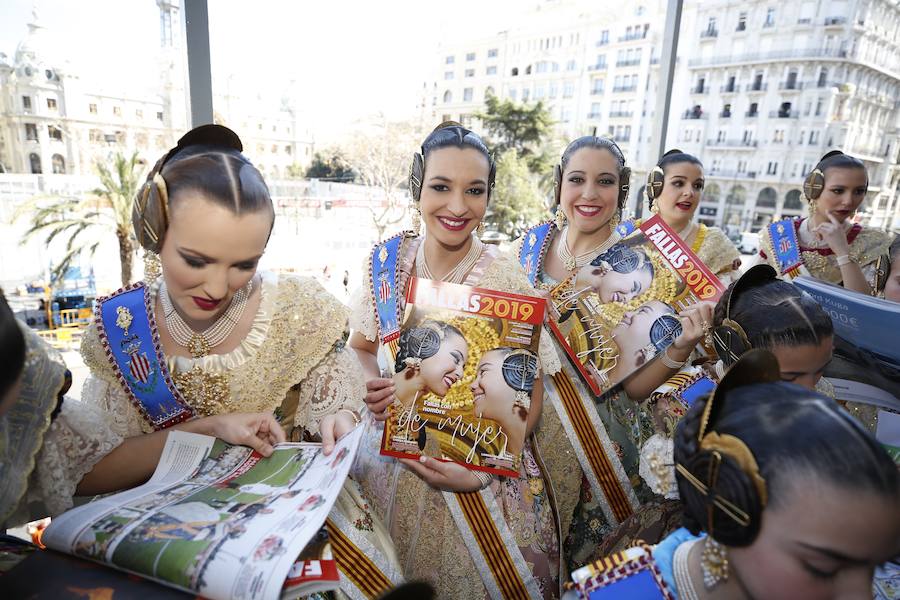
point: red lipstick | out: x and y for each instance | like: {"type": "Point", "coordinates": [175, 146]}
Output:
{"type": "Point", "coordinates": [205, 303]}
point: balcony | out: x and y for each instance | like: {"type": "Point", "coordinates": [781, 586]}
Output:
{"type": "Point", "coordinates": [768, 56]}
{"type": "Point", "coordinates": [621, 114]}
{"type": "Point", "coordinates": [756, 88]}
{"type": "Point", "coordinates": [751, 114]}
{"type": "Point", "coordinates": [597, 92]}
{"type": "Point", "coordinates": [790, 86]}
{"type": "Point", "coordinates": [709, 34]}
{"type": "Point", "coordinates": [784, 114]}
{"type": "Point", "coordinates": [740, 27]}
{"type": "Point", "coordinates": [634, 36]}
{"type": "Point", "coordinates": [730, 89]}
{"type": "Point", "coordinates": [835, 21]}
{"type": "Point", "coordinates": [622, 138]}
{"type": "Point", "coordinates": [733, 174]}
{"type": "Point", "coordinates": [700, 89]}
{"type": "Point", "coordinates": [804, 21]}
{"type": "Point", "coordinates": [628, 63]}
{"type": "Point", "coordinates": [725, 114]}
{"type": "Point", "coordinates": [736, 144]}
{"type": "Point", "coordinates": [693, 114]}
{"type": "Point", "coordinates": [594, 115]}
{"type": "Point", "coordinates": [625, 88]}
{"type": "Point", "coordinates": [601, 66]}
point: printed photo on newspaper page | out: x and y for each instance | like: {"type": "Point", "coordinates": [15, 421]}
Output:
{"type": "Point", "coordinates": [217, 520]}
{"type": "Point", "coordinates": [619, 311]}
{"type": "Point", "coordinates": [464, 368]}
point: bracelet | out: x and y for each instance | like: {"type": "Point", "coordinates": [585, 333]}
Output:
{"type": "Point", "coordinates": [484, 478]}
{"type": "Point", "coordinates": [672, 364]}
{"type": "Point", "coordinates": [843, 259]}
{"type": "Point", "coordinates": [352, 413]}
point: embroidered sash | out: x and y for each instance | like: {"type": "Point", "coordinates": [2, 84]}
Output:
{"type": "Point", "coordinates": [785, 248]}
{"type": "Point", "coordinates": [595, 451]}
{"type": "Point", "coordinates": [362, 567]}
{"type": "Point", "coordinates": [533, 248]}
{"type": "Point", "coordinates": [128, 333]}
{"type": "Point", "coordinates": [384, 281]}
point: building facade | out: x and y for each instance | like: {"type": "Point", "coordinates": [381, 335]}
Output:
{"type": "Point", "coordinates": [761, 91]}
{"type": "Point", "coordinates": [769, 88]}
{"type": "Point", "coordinates": [54, 122]}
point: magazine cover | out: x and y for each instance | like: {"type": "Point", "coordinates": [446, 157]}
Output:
{"type": "Point", "coordinates": [464, 367]}
{"type": "Point", "coordinates": [620, 310]}
{"type": "Point", "coordinates": [216, 520]}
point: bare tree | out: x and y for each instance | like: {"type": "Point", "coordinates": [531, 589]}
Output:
{"type": "Point", "coordinates": [382, 157]}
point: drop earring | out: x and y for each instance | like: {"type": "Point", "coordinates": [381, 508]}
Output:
{"type": "Point", "coordinates": [152, 267]}
{"type": "Point", "coordinates": [713, 563]}
{"type": "Point", "coordinates": [417, 220]}
{"type": "Point", "coordinates": [560, 218]}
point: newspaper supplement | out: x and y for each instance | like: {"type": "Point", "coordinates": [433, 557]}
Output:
{"type": "Point", "coordinates": [214, 519]}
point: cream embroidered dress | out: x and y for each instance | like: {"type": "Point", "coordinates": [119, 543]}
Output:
{"type": "Point", "coordinates": [428, 542]}
{"type": "Point", "coordinates": [292, 362]}
{"type": "Point", "coordinates": [45, 448]}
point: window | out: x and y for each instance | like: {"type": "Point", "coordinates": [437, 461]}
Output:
{"type": "Point", "coordinates": [571, 65]}
{"type": "Point", "coordinates": [595, 111]}
{"type": "Point", "coordinates": [470, 72]}
{"type": "Point", "coordinates": [449, 60]}
{"type": "Point", "coordinates": [92, 108]}
{"type": "Point", "coordinates": [514, 72]}
{"type": "Point", "coordinates": [711, 26]}
{"type": "Point", "coordinates": [802, 137]}
{"type": "Point", "coordinates": [772, 168]}
{"type": "Point", "coordinates": [513, 94]}
{"type": "Point", "coordinates": [565, 114]}
{"type": "Point", "coordinates": [754, 109]}
{"type": "Point", "coordinates": [59, 164]}
{"type": "Point", "coordinates": [139, 113]}
{"type": "Point", "coordinates": [823, 78]}
{"type": "Point", "coordinates": [117, 110]}
{"type": "Point", "coordinates": [778, 138]}
{"type": "Point", "coordinates": [448, 97]}
{"type": "Point", "coordinates": [604, 37]}
{"type": "Point", "coordinates": [31, 132]}
{"type": "Point", "coordinates": [470, 57]}
{"type": "Point", "coordinates": [568, 89]}
{"type": "Point", "coordinates": [55, 133]}
{"type": "Point", "coordinates": [492, 70]}
{"type": "Point", "coordinates": [758, 82]}
{"type": "Point", "coordinates": [26, 102]}
{"type": "Point", "coordinates": [159, 116]}
{"type": "Point", "coordinates": [726, 111]}
{"type": "Point", "coordinates": [597, 87]}
{"type": "Point", "coordinates": [51, 103]}
{"type": "Point", "coordinates": [539, 92]}
{"type": "Point", "coordinates": [813, 138]}
{"type": "Point", "coordinates": [721, 136]}
{"type": "Point", "coordinates": [819, 107]}
{"type": "Point", "coordinates": [95, 135]}
{"type": "Point", "coordinates": [541, 67]}
{"type": "Point", "coordinates": [526, 94]}
{"type": "Point", "coordinates": [492, 53]}
{"type": "Point", "coordinates": [770, 18]}
{"type": "Point", "coordinates": [742, 22]}
{"type": "Point", "coordinates": [467, 95]}
{"type": "Point", "coordinates": [488, 91]}
{"type": "Point", "coordinates": [448, 75]}
{"type": "Point", "coordinates": [554, 89]}
{"type": "Point", "coordinates": [35, 161]}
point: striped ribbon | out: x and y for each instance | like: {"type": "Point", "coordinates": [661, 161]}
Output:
{"type": "Point", "coordinates": [355, 565]}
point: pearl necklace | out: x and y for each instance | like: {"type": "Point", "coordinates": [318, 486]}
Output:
{"type": "Point", "coordinates": [199, 344]}
{"type": "Point", "coordinates": [681, 570]}
{"type": "Point", "coordinates": [571, 262]}
{"type": "Point", "coordinates": [459, 272]}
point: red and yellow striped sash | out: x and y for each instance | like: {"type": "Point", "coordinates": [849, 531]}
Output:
{"type": "Point", "coordinates": [355, 565]}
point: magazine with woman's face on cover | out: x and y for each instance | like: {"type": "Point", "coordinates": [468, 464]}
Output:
{"type": "Point", "coordinates": [464, 368]}
{"type": "Point", "coordinates": [618, 312]}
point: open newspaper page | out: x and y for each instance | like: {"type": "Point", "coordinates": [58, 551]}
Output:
{"type": "Point", "coordinates": [214, 519]}
{"type": "Point", "coordinates": [463, 367]}
{"type": "Point", "coordinates": [618, 312]}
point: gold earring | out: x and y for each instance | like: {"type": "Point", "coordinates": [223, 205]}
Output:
{"type": "Point", "coordinates": [654, 208]}
{"type": "Point", "coordinates": [561, 219]}
{"type": "Point", "coordinates": [417, 220]}
{"type": "Point", "coordinates": [522, 400]}
{"type": "Point", "coordinates": [812, 207]}
{"type": "Point", "coordinates": [152, 267]}
{"type": "Point", "coordinates": [713, 563]}
{"type": "Point", "coordinates": [479, 231]}
{"type": "Point", "coordinates": [614, 221]}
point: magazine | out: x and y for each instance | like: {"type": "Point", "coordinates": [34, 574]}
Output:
{"type": "Point", "coordinates": [463, 367]}
{"type": "Point", "coordinates": [619, 311]}
{"type": "Point", "coordinates": [218, 520]}
{"type": "Point", "coordinates": [866, 363]}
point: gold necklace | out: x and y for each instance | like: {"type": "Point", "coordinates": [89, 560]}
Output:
{"type": "Point", "coordinates": [458, 273]}
{"type": "Point", "coordinates": [572, 262]}
{"type": "Point", "coordinates": [200, 343]}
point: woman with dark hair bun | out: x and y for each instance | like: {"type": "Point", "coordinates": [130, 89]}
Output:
{"type": "Point", "coordinates": [502, 528]}
{"type": "Point", "coordinates": [831, 246]}
{"type": "Point", "coordinates": [430, 358]}
{"type": "Point", "coordinates": [207, 333]}
{"type": "Point", "coordinates": [748, 460]}
{"type": "Point", "coordinates": [674, 189]}
{"type": "Point", "coordinates": [784, 494]}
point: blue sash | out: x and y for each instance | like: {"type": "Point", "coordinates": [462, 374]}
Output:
{"type": "Point", "coordinates": [626, 228]}
{"type": "Point", "coordinates": [383, 277]}
{"type": "Point", "coordinates": [533, 249]}
{"type": "Point", "coordinates": [700, 388]}
{"type": "Point", "coordinates": [128, 333]}
{"type": "Point", "coordinates": [786, 247]}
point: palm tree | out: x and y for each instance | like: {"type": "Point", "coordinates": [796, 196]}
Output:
{"type": "Point", "coordinates": [85, 220]}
